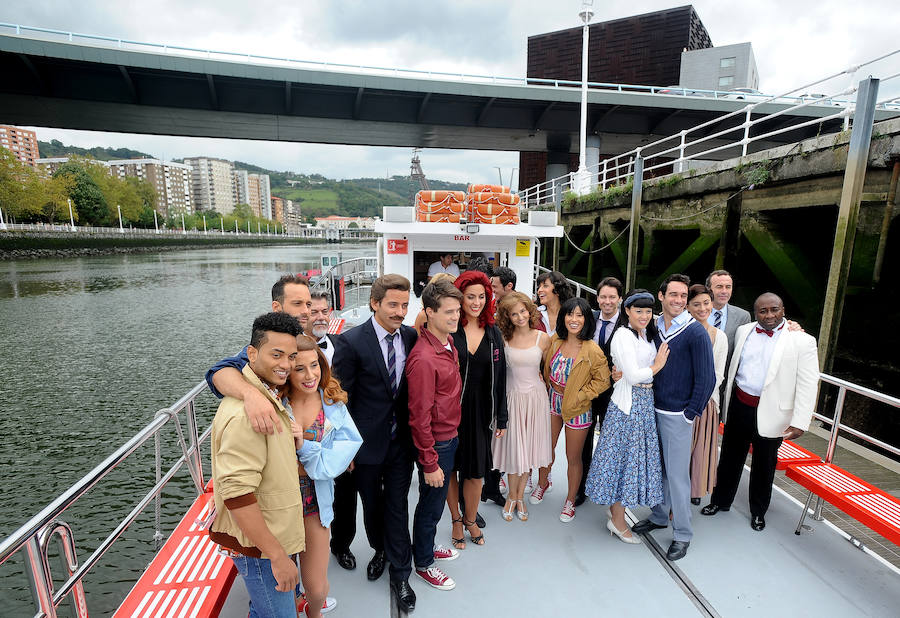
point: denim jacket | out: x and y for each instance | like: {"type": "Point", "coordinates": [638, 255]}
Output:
{"type": "Point", "coordinates": [327, 459]}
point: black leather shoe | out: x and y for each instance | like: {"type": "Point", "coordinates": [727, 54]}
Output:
{"type": "Point", "coordinates": [579, 499]}
{"type": "Point", "coordinates": [376, 566]}
{"type": "Point", "coordinates": [757, 523]}
{"type": "Point", "coordinates": [644, 526]}
{"type": "Point", "coordinates": [712, 509]}
{"type": "Point", "coordinates": [479, 520]}
{"type": "Point", "coordinates": [403, 592]}
{"type": "Point", "coordinates": [695, 501]}
{"type": "Point", "coordinates": [677, 550]}
{"type": "Point", "coordinates": [346, 559]}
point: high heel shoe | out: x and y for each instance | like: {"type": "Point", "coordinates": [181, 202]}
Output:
{"type": "Point", "coordinates": [631, 540]}
{"type": "Point", "coordinates": [459, 543]}
{"type": "Point", "coordinates": [521, 512]}
{"type": "Point", "coordinates": [507, 514]}
{"type": "Point", "coordinates": [477, 540]}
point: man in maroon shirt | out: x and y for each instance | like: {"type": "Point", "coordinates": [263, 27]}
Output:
{"type": "Point", "coordinates": [432, 372]}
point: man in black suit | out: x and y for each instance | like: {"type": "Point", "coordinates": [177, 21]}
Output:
{"type": "Point", "coordinates": [609, 297]}
{"type": "Point", "coordinates": [369, 361]}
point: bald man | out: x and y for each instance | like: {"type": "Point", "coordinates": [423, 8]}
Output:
{"type": "Point", "coordinates": [770, 396]}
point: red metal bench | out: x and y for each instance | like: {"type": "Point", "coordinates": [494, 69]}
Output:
{"type": "Point", "coordinates": [188, 577]}
{"type": "Point", "coordinates": [867, 504]}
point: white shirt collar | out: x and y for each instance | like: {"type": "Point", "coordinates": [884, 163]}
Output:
{"type": "Point", "coordinates": [380, 331]}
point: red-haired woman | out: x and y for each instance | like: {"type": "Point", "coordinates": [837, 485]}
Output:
{"type": "Point", "coordinates": [482, 365]}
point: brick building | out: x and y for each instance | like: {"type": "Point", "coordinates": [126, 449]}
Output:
{"type": "Point", "coordinates": [642, 50]}
{"type": "Point", "coordinates": [21, 142]}
{"type": "Point", "coordinates": [171, 181]}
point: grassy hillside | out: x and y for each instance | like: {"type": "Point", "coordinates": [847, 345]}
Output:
{"type": "Point", "coordinates": [56, 148]}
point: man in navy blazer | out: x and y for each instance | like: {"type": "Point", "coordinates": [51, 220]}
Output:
{"type": "Point", "coordinates": [369, 361]}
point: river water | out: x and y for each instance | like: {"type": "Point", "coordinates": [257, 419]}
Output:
{"type": "Point", "coordinates": [91, 349]}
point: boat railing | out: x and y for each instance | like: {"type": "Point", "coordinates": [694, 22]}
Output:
{"type": "Point", "coordinates": [35, 536]}
{"type": "Point", "coordinates": [581, 290]}
{"type": "Point", "coordinates": [355, 268]}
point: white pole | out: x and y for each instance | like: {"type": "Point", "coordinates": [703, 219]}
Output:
{"type": "Point", "coordinates": [2, 222]}
{"type": "Point", "coordinates": [583, 184]}
{"type": "Point", "coordinates": [121, 227]}
{"type": "Point", "coordinates": [222, 224]}
{"type": "Point", "coordinates": [248, 226]}
{"type": "Point", "coordinates": [183, 227]}
{"type": "Point", "coordinates": [71, 214]}
{"type": "Point", "coordinates": [204, 224]}
{"type": "Point", "coordinates": [235, 227]}
{"type": "Point", "coordinates": [267, 229]}
{"type": "Point", "coordinates": [155, 221]}
{"type": "Point", "coordinates": [258, 232]}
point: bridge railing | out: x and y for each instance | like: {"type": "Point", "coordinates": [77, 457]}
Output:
{"type": "Point", "coordinates": [195, 52]}
{"type": "Point", "coordinates": [734, 131]}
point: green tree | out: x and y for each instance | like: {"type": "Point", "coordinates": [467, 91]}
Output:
{"type": "Point", "coordinates": [86, 195]}
{"type": "Point", "coordinates": [21, 192]}
{"type": "Point", "coordinates": [55, 192]}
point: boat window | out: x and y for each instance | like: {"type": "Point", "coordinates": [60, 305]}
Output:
{"type": "Point", "coordinates": [422, 261]}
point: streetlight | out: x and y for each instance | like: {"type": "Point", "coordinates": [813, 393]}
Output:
{"type": "Point", "coordinates": [204, 224]}
{"type": "Point", "coordinates": [71, 215]}
{"type": "Point", "coordinates": [2, 222]}
{"type": "Point", "coordinates": [583, 176]}
{"type": "Point", "coordinates": [155, 222]}
{"type": "Point", "coordinates": [222, 223]}
{"type": "Point", "coordinates": [500, 174]}
{"type": "Point", "coordinates": [121, 227]}
{"type": "Point", "coordinates": [183, 228]}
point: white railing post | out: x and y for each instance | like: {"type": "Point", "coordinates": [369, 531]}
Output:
{"type": "Point", "coordinates": [603, 184]}
{"type": "Point", "coordinates": [681, 151]}
{"type": "Point", "coordinates": [746, 139]}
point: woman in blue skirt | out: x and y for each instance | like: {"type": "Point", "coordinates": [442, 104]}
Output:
{"type": "Point", "coordinates": [627, 469]}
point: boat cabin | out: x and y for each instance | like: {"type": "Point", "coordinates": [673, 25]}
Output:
{"type": "Point", "coordinates": [408, 247]}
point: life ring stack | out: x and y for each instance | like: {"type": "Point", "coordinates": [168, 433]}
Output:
{"type": "Point", "coordinates": [492, 204]}
{"type": "Point", "coordinates": [440, 206]}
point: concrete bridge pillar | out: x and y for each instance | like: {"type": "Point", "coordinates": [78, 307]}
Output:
{"type": "Point", "coordinates": [592, 154]}
{"type": "Point", "coordinates": [558, 146]}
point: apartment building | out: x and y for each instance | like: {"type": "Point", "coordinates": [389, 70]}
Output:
{"type": "Point", "coordinates": [292, 217]}
{"type": "Point", "coordinates": [277, 209]}
{"type": "Point", "coordinates": [172, 182]}
{"type": "Point", "coordinates": [240, 187]}
{"type": "Point", "coordinates": [212, 184]}
{"type": "Point", "coordinates": [21, 142]}
{"type": "Point", "coordinates": [259, 195]}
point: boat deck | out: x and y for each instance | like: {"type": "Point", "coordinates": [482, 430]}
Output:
{"type": "Point", "coordinates": [543, 567]}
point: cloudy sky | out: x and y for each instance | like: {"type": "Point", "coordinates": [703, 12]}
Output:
{"type": "Point", "coordinates": [794, 42]}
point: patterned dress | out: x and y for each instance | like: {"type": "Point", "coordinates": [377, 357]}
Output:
{"type": "Point", "coordinates": [627, 466]}
{"type": "Point", "coordinates": [307, 485]}
{"type": "Point", "coordinates": [560, 368]}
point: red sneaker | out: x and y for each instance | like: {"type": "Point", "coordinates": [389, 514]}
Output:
{"type": "Point", "coordinates": [436, 578]}
{"type": "Point", "coordinates": [445, 553]}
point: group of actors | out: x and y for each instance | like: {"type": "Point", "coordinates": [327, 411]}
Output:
{"type": "Point", "coordinates": [482, 387]}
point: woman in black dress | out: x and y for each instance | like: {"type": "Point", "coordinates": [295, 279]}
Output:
{"type": "Point", "coordinates": [482, 366]}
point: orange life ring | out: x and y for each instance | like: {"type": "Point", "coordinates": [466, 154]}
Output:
{"type": "Point", "coordinates": [429, 217]}
{"type": "Point", "coordinates": [510, 199]}
{"type": "Point", "coordinates": [496, 219]}
{"type": "Point", "coordinates": [440, 196]}
{"type": "Point", "coordinates": [495, 209]}
{"type": "Point", "coordinates": [440, 207]}
{"type": "Point", "coordinates": [488, 188]}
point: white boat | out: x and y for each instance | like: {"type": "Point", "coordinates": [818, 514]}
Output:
{"type": "Point", "coordinates": [541, 567]}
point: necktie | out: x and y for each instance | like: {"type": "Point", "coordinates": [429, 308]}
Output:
{"type": "Point", "coordinates": [392, 375]}
{"type": "Point", "coordinates": [323, 344]}
{"type": "Point", "coordinates": [602, 338]}
{"type": "Point", "coordinates": [718, 322]}
{"type": "Point", "coordinates": [768, 333]}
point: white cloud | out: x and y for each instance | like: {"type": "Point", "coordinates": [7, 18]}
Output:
{"type": "Point", "coordinates": [794, 43]}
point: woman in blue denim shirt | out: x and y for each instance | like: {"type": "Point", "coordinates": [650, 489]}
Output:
{"type": "Point", "coordinates": [326, 440]}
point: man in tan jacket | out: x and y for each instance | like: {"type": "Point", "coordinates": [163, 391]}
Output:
{"type": "Point", "coordinates": [259, 514]}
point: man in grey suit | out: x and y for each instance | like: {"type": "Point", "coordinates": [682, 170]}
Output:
{"type": "Point", "coordinates": [725, 315]}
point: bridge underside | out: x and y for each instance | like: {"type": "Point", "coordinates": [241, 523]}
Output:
{"type": "Point", "coordinates": [86, 87]}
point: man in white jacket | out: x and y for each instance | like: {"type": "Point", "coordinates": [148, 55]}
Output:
{"type": "Point", "coordinates": [770, 396]}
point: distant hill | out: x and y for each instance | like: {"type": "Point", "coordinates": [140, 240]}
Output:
{"type": "Point", "coordinates": [56, 148]}
{"type": "Point", "coordinates": [318, 196]}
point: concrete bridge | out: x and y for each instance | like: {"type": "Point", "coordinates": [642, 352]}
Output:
{"type": "Point", "coordinates": [64, 80]}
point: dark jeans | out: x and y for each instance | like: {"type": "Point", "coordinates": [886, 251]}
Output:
{"type": "Point", "coordinates": [431, 505]}
{"type": "Point", "coordinates": [384, 491]}
{"type": "Point", "coordinates": [740, 433]}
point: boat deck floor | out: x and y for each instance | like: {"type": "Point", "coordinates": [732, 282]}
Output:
{"type": "Point", "coordinates": [543, 567]}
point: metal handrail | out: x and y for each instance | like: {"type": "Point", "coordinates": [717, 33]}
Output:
{"type": "Point", "coordinates": [37, 531]}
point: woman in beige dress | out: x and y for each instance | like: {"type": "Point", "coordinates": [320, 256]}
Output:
{"type": "Point", "coordinates": [704, 447]}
